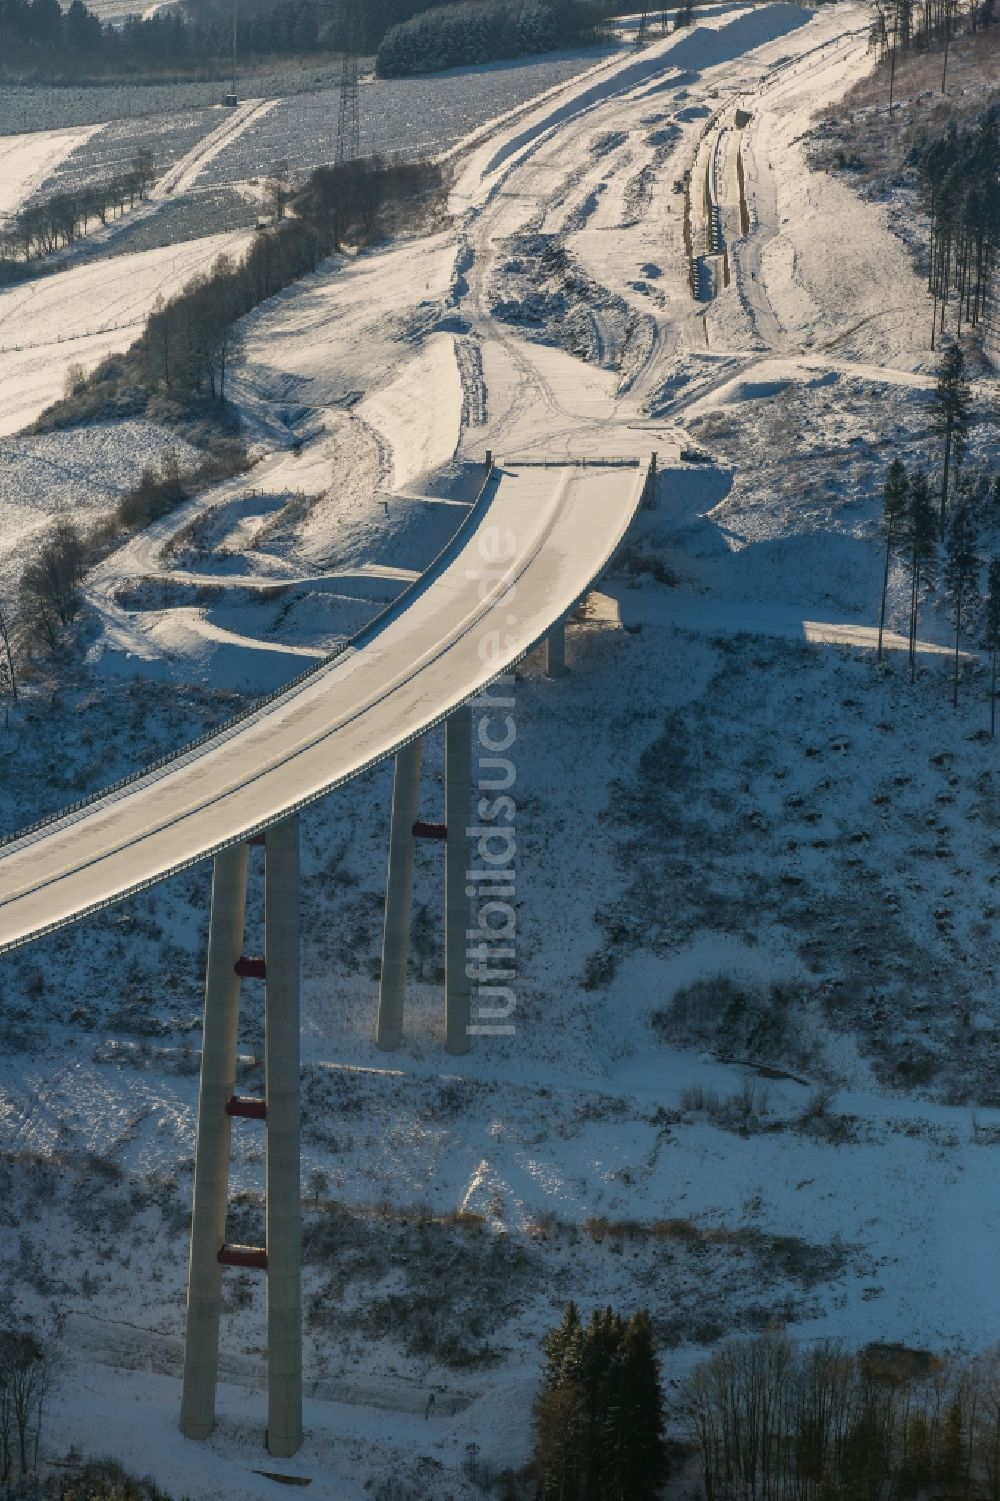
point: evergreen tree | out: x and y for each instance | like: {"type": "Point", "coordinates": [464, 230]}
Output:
{"type": "Point", "coordinates": [474, 31]}
{"type": "Point", "coordinates": [82, 29]}
{"type": "Point", "coordinates": [921, 537]}
{"type": "Point", "coordinates": [599, 1417]}
{"type": "Point", "coordinates": [958, 180]}
{"type": "Point", "coordinates": [559, 1411]}
{"type": "Point", "coordinates": [894, 497]}
{"type": "Point", "coordinates": [950, 410]}
{"type": "Point", "coordinates": [961, 578]}
{"type": "Point", "coordinates": [558, 1420]}
{"type": "Point", "coordinates": [993, 635]}
{"type": "Point", "coordinates": [562, 1348]}
{"type": "Point", "coordinates": [604, 1335]}
{"type": "Point", "coordinates": [635, 1460]}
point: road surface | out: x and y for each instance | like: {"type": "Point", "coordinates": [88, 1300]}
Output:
{"type": "Point", "coordinates": [530, 547]}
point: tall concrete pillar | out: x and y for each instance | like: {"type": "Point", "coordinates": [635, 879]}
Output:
{"type": "Point", "coordinates": [555, 651]}
{"type": "Point", "coordinates": [457, 793]}
{"type": "Point", "coordinates": [284, 1199]}
{"type": "Point", "coordinates": [211, 1164]}
{"type": "Point", "coordinates": [398, 897]}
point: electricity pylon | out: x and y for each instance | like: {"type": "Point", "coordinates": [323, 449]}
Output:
{"type": "Point", "coordinates": [348, 124]}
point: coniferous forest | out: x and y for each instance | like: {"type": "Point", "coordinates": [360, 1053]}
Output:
{"type": "Point", "coordinates": [961, 190]}
{"type": "Point", "coordinates": [38, 38]}
{"type": "Point", "coordinates": [956, 157]}
{"type": "Point", "coordinates": [450, 36]}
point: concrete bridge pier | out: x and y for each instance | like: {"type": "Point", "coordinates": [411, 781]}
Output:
{"type": "Point", "coordinates": [555, 651]}
{"type": "Point", "coordinates": [217, 1104]}
{"type": "Point", "coordinates": [398, 897]}
{"type": "Point", "coordinates": [211, 1170]}
{"type": "Point", "coordinates": [457, 794]}
{"type": "Point", "coordinates": [283, 1182]}
{"type": "Point", "coordinates": [403, 828]}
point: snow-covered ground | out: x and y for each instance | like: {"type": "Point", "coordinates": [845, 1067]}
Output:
{"type": "Point", "coordinates": [27, 160]}
{"type": "Point", "coordinates": [77, 317]}
{"type": "Point", "coordinates": [79, 474]}
{"type": "Point", "coordinates": [725, 785]}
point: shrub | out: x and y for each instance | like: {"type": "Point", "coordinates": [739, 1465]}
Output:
{"type": "Point", "coordinates": [763, 1024]}
{"type": "Point", "coordinates": [745, 1108]}
{"type": "Point", "coordinates": [100, 1480]}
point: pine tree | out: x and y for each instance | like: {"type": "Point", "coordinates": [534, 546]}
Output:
{"type": "Point", "coordinates": [921, 536]}
{"type": "Point", "coordinates": [635, 1459]}
{"type": "Point", "coordinates": [560, 1411]}
{"type": "Point", "coordinates": [894, 497]}
{"type": "Point", "coordinates": [599, 1418]}
{"type": "Point", "coordinates": [604, 1335]}
{"type": "Point", "coordinates": [993, 636]}
{"type": "Point", "coordinates": [950, 411]}
{"type": "Point", "coordinates": [961, 579]}
{"type": "Point", "coordinates": [562, 1348]}
{"type": "Point", "coordinates": [558, 1423]}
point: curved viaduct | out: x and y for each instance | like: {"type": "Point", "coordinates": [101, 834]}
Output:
{"type": "Point", "coordinates": [533, 543]}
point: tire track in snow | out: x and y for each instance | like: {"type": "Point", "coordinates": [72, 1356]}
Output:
{"type": "Point", "coordinates": [128, 310]}
{"type": "Point", "coordinates": [183, 174]}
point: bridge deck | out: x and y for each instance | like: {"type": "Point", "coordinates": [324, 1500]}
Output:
{"type": "Point", "coordinates": [457, 628]}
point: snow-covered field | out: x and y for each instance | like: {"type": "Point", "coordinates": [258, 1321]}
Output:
{"type": "Point", "coordinates": [79, 316]}
{"type": "Point", "coordinates": [409, 114]}
{"type": "Point", "coordinates": [27, 160]}
{"type": "Point", "coordinates": [725, 785]}
{"type": "Point", "coordinates": [79, 474]}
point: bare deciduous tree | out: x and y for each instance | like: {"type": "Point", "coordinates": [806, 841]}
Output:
{"type": "Point", "coordinates": [8, 651]}
{"type": "Point", "coordinates": [50, 582]}
{"type": "Point", "coordinates": [26, 1378]}
{"type": "Point", "coordinates": [278, 190]}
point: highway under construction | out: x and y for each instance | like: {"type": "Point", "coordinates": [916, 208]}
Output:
{"type": "Point", "coordinates": [530, 547]}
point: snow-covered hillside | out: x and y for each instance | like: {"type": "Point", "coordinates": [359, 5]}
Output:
{"type": "Point", "coordinates": [755, 1072]}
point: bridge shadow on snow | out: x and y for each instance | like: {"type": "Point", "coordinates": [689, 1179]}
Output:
{"type": "Point", "coordinates": [787, 580]}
